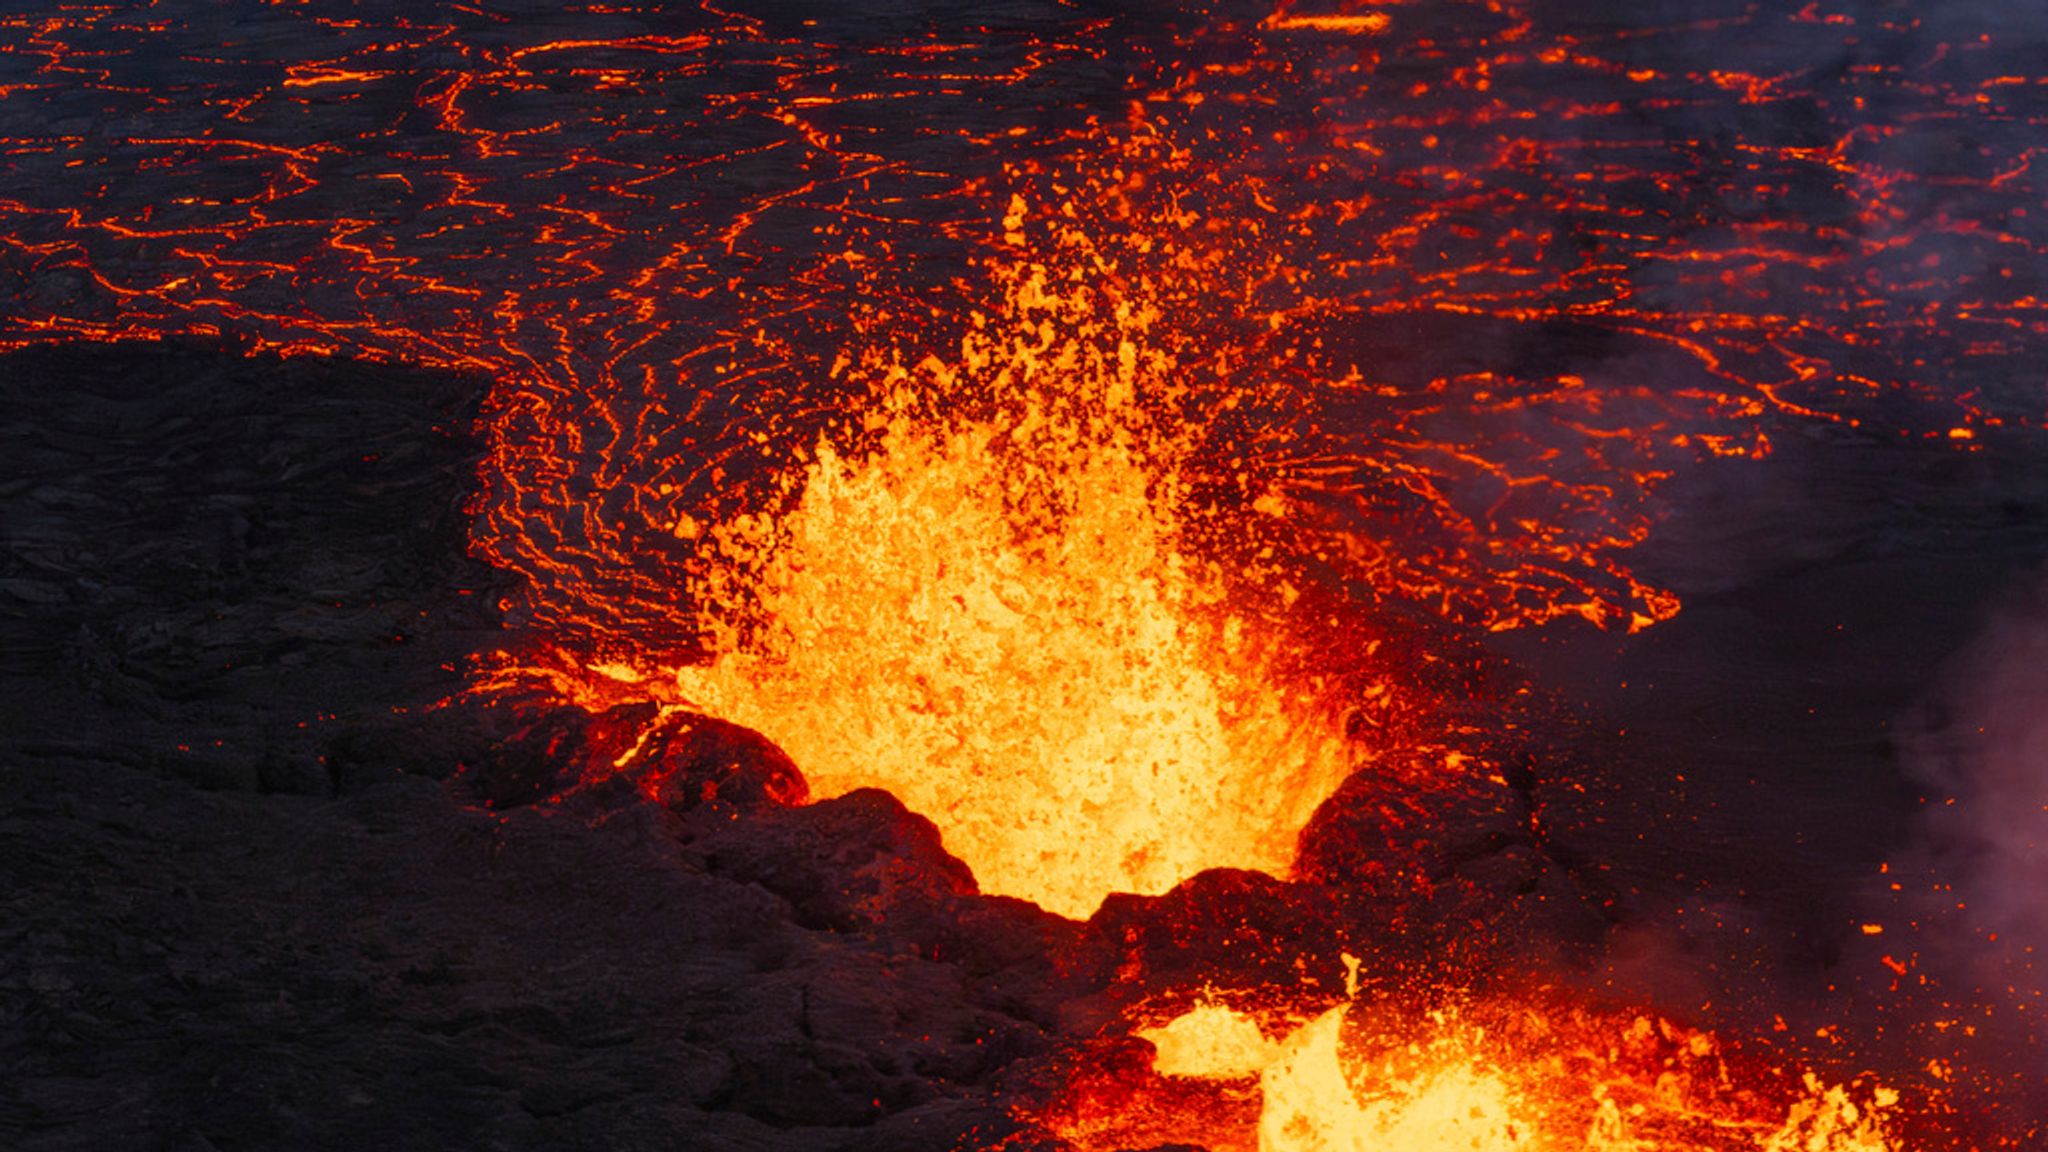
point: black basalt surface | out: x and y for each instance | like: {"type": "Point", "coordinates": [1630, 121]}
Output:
{"type": "Point", "coordinates": [235, 590]}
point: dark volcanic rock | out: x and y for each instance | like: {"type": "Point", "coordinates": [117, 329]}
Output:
{"type": "Point", "coordinates": [250, 576]}
{"type": "Point", "coordinates": [847, 864]}
{"type": "Point", "coordinates": [393, 970]}
{"type": "Point", "coordinates": [1391, 836]}
{"type": "Point", "coordinates": [1460, 860]}
{"type": "Point", "coordinates": [681, 760]}
{"type": "Point", "coordinates": [1224, 927]}
{"type": "Point", "coordinates": [863, 864]}
{"type": "Point", "coordinates": [686, 761]}
{"type": "Point", "coordinates": [216, 567]}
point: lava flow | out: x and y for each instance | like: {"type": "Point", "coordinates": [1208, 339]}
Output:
{"type": "Point", "coordinates": [1113, 436]}
{"type": "Point", "coordinates": [1537, 1075]}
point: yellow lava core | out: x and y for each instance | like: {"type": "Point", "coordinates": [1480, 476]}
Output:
{"type": "Point", "coordinates": [980, 601]}
{"type": "Point", "coordinates": [1311, 1104]}
{"type": "Point", "coordinates": [1210, 1041]}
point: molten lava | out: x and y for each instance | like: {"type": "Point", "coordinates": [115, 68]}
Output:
{"type": "Point", "coordinates": [1539, 1076]}
{"type": "Point", "coordinates": [995, 618]}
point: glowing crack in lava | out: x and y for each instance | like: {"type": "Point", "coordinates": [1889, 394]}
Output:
{"type": "Point", "coordinates": [993, 617]}
{"type": "Point", "coordinates": [1535, 1077]}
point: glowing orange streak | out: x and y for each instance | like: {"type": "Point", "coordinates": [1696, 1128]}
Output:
{"type": "Point", "coordinates": [1369, 24]}
{"type": "Point", "coordinates": [308, 154]}
{"type": "Point", "coordinates": [676, 44]}
{"type": "Point", "coordinates": [315, 77]}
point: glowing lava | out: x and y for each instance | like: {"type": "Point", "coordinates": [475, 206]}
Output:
{"type": "Point", "coordinates": [994, 618]}
{"type": "Point", "coordinates": [1535, 1078]}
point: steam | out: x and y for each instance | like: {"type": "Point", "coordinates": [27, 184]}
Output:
{"type": "Point", "coordinates": [1975, 872]}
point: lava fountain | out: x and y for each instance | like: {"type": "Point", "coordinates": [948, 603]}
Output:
{"type": "Point", "coordinates": [980, 598]}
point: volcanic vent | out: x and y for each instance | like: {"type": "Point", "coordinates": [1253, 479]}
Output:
{"type": "Point", "coordinates": [1239, 575]}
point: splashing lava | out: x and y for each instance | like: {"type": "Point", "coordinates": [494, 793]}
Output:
{"type": "Point", "coordinates": [995, 619]}
{"type": "Point", "coordinates": [1540, 1075]}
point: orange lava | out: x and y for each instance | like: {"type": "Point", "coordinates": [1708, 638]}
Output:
{"type": "Point", "coordinates": [1540, 1075]}
{"type": "Point", "coordinates": [994, 617]}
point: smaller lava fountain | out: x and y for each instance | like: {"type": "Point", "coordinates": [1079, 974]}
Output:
{"type": "Point", "coordinates": [1541, 1075]}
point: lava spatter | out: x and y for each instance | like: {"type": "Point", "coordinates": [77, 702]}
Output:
{"type": "Point", "coordinates": [1540, 1075]}
{"type": "Point", "coordinates": [997, 618]}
